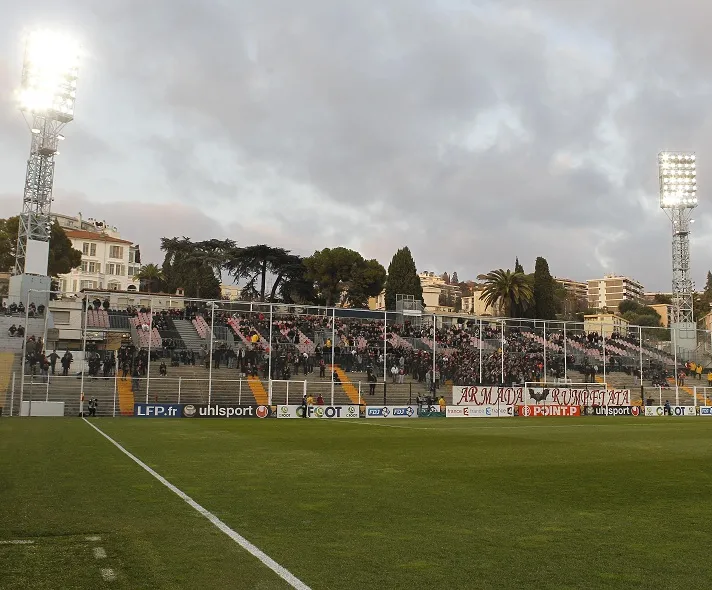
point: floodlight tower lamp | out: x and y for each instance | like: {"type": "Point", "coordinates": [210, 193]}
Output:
{"type": "Point", "coordinates": [678, 197]}
{"type": "Point", "coordinates": [47, 94]}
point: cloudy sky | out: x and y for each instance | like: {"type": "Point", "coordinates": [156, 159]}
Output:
{"type": "Point", "coordinates": [471, 131]}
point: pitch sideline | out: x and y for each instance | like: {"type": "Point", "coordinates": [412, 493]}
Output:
{"type": "Point", "coordinates": [282, 572]}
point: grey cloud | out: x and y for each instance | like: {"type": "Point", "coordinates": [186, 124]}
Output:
{"type": "Point", "coordinates": [334, 123]}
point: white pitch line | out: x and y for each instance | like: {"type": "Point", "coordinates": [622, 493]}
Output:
{"type": "Point", "coordinates": [93, 538]}
{"type": "Point", "coordinates": [17, 542]}
{"type": "Point", "coordinates": [266, 560]}
{"type": "Point", "coordinates": [99, 553]}
{"type": "Point", "coordinates": [108, 574]}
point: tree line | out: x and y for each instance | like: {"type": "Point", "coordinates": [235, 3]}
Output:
{"type": "Point", "coordinates": [331, 276]}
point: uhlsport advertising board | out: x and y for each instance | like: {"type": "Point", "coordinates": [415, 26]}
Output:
{"type": "Point", "coordinates": [479, 411]}
{"type": "Point", "coordinates": [680, 411]}
{"type": "Point", "coordinates": [200, 411]}
{"type": "Point", "coordinates": [321, 412]}
{"type": "Point", "coordinates": [612, 411]}
{"type": "Point", "coordinates": [530, 411]}
{"type": "Point", "coordinates": [391, 412]}
{"type": "Point", "coordinates": [492, 395]}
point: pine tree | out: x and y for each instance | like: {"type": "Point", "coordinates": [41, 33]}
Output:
{"type": "Point", "coordinates": [519, 308]}
{"type": "Point", "coordinates": [454, 280]}
{"type": "Point", "coordinates": [402, 278]}
{"type": "Point", "coordinates": [518, 267]}
{"type": "Point", "coordinates": [545, 306]}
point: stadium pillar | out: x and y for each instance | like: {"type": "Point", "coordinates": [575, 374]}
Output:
{"type": "Point", "coordinates": [269, 351]}
{"type": "Point", "coordinates": [674, 349]}
{"type": "Point", "coordinates": [603, 349]}
{"type": "Point", "coordinates": [385, 350]}
{"type": "Point", "coordinates": [150, 339]}
{"type": "Point", "coordinates": [501, 344]}
{"type": "Point", "coordinates": [640, 361]}
{"type": "Point", "coordinates": [84, 353]}
{"type": "Point", "coordinates": [44, 345]}
{"type": "Point", "coordinates": [566, 362]}
{"type": "Point", "coordinates": [210, 361]}
{"type": "Point", "coordinates": [333, 348]}
{"type": "Point", "coordinates": [432, 381]}
{"type": "Point", "coordinates": [545, 380]}
{"type": "Point", "coordinates": [480, 345]}
{"type": "Point", "coordinates": [25, 336]}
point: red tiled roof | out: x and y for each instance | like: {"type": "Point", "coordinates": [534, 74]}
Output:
{"type": "Point", "coordinates": [80, 234]}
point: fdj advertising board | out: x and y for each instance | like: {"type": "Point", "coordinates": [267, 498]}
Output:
{"type": "Point", "coordinates": [392, 412]}
{"type": "Point", "coordinates": [326, 412]}
{"type": "Point", "coordinates": [200, 411]}
{"type": "Point", "coordinates": [706, 411]}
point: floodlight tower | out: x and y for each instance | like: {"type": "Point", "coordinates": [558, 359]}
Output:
{"type": "Point", "coordinates": [678, 197]}
{"type": "Point", "coordinates": [46, 98]}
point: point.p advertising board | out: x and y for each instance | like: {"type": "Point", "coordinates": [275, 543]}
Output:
{"type": "Point", "coordinates": [548, 411]}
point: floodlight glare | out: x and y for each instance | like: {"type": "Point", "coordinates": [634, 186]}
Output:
{"type": "Point", "coordinates": [678, 180]}
{"type": "Point", "coordinates": [49, 76]}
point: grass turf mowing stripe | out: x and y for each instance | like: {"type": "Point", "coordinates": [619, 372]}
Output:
{"type": "Point", "coordinates": [282, 572]}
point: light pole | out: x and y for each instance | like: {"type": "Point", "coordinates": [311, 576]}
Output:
{"type": "Point", "coordinates": [677, 173]}
{"type": "Point", "coordinates": [46, 98]}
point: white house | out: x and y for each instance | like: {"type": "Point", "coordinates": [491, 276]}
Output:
{"type": "Point", "coordinates": [108, 261]}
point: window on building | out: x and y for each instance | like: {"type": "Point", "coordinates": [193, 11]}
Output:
{"type": "Point", "coordinates": [114, 286]}
{"type": "Point", "coordinates": [132, 254]}
{"type": "Point", "coordinates": [60, 317]}
{"type": "Point", "coordinates": [116, 252]}
{"type": "Point", "coordinates": [88, 249]}
{"type": "Point", "coordinates": [87, 285]}
{"type": "Point", "coordinates": [89, 266]}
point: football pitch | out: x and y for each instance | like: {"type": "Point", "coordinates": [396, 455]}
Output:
{"type": "Point", "coordinates": [552, 503]}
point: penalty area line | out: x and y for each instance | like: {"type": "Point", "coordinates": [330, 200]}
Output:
{"type": "Point", "coordinates": [265, 559]}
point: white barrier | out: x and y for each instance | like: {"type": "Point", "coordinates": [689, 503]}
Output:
{"type": "Point", "coordinates": [42, 408]}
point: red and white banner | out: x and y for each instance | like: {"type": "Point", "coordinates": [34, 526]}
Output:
{"type": "Point", "coordinates": [543, 411]}
{"type": "Point", "coordinates": [479, 412]}
{"type": "Point", "coordinates": [492, 395]}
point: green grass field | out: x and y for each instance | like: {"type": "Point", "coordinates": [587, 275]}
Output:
{"type": "Point", "coordinates": [568, 503]}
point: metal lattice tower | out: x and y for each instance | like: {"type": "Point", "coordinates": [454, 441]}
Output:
{"type": "Point", "coordinates": [678, 197]}
{"type": "Point", "coordinates": [682, 288]}
{"type": "Point", "coordinates": [46, 96]}
{"type": "Point", "coordinates": [35, 223]}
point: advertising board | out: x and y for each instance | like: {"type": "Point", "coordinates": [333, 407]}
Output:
{"type": "Point", "coordinates": [321, 412]}
{"type": "Point", "coordinates": [680, 411]}
{"type": "Point", "coordinates": [391, 412]}
{"type": "Point", "coordinates": [479, 411]}
{"type": "Point", "coordinates": [158, 410]}
{"type": "Point", "coordinates": [491, 395]}
{"type": "Point", "coordinates": [611, 411]}
{"type": "Point", "coordinates": [706, 411]}
{"type": "Point", "coordinates": [547, 411]}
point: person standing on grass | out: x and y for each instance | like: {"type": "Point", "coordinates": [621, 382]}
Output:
{"type": "Point", "coordinates": [305, 413]}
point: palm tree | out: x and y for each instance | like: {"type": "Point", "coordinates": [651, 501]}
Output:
{"type": "Point", "coordinates": [507, 289]}
{"type": "Point", "coordinates": [150, 275]}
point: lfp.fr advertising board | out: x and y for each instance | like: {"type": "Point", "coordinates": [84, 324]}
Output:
{"type": "Point", "coordinates": [391, 412]}
{"type": "Point", "coordinates": [200, 411]}
{"type": "Point", "coordinates": [320, 412]}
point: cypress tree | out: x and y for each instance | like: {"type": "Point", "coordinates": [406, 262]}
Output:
{"type": "Point", "coordinates": [402, 278]}
{"type": "Point", "coordinates": [544, 287]}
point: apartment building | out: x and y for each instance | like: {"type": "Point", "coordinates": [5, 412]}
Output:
{"type": "Point", "coordinates": [108, 261]}
{"type": "Point", "coordinates": [610, 291]}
